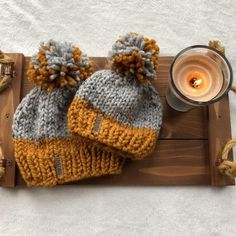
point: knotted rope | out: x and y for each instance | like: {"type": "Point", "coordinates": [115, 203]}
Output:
{"type": "Point", "coordinates": [226, 166]}
{"type": "Point", "coordinates": [6, 78]}
{"type": "Point", "coordinates": [233, 88]}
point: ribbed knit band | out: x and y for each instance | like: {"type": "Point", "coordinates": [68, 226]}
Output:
{"type": "Point", "coordinates": [60, 160]}
{"type": "Point", "coordinates": [45, 151]}
{"type": "Point", "coordinates": [91, 123]}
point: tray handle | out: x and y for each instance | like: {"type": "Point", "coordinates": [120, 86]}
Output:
{"type": "Point", "coordinates": [226, 166]}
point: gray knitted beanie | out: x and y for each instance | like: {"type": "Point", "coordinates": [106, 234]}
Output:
{"type": "Point", "coordinates": [119, 109]}
{"type": "Point", "coordinates": [45, 151]}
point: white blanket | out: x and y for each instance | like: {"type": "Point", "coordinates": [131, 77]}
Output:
{"type": "Point", "coordinates": [94, 25]}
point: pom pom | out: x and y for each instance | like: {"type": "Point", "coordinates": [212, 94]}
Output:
{"type": "Point", "coordinates": [58, 64]}
{"type": "Point", "coordinates": [135, 56]}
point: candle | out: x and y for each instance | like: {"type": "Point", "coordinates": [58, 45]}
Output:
{"type": "Point", "coordinates": [199, 76]}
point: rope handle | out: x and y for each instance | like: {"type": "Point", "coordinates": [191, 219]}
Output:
{"type": "Point", "coordinates": [226, 167]}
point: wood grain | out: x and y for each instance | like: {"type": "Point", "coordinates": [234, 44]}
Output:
{"type": "Point", "coordinates": [188, 125]}
{"type": "Point", "coordinates": [219, 134]}
{"type": "Point", "coordinates": [174, 162]}
{"type": "Point", "coordinates": [188, 148]}
{"type": "Point", "coordinates": [9, 100]}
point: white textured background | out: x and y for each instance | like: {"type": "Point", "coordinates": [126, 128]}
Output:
{"type": "Point", "coordinates": [94, 25]}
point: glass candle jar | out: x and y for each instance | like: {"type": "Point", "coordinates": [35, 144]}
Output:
{"type": "Point", "coordinates": [199, 75]}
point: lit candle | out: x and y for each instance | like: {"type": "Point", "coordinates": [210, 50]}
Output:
{"type": "Point", "coordinates": [199, 75]}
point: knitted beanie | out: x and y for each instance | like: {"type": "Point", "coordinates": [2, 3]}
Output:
{"type": "Point", "coordinates": [119, 109]}
{"type": "Point", "coordinates": [46, 153]}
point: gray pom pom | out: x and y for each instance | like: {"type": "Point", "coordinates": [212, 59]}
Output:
{"type": "Point", "coordinates": [135, 56]}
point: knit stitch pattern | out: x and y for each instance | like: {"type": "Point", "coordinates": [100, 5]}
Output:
{"type": "Point", "coordinates": [45, 151]}
{"type": "Point", "coordinates": [123, 100]}
{"type": "Point", "coordinates": [116, 137]}
{"type": "Point", "coordinates": [79, 159]}
{"type": "Point", "coordinates": [42, 114]}
{"type": "Point", "coordinates": [126, 100]}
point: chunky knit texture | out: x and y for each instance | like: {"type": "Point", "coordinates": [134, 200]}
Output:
{"type": "Point", "coordinates": [136, 56]}
{"type": "Point", "coordinates": [46, 153]}
{"type": "Point", "coordinates": [58, 64]}
{"type": "Point", "coordinates": [42, 114]}
{"type": "Point", "coordinates": [119, 108]}
{"type": "Point", "coordinates": [78, 158]}
{"type": "Point", "coordinates": [126, 140]}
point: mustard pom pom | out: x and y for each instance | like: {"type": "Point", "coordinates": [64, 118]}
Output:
{"type": "Point", "coordinates": [58, 64]}
{"type": "Point", "coordinates": [135, 56]}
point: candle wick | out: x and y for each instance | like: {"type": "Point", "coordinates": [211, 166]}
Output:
{"type": "Point", "coordinates": [195, 82]}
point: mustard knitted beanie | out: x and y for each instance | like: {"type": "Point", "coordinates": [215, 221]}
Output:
{"type": "Point", "coordinates": [45, 151]}
{"type": "Point", "coordinates": [119, 109]}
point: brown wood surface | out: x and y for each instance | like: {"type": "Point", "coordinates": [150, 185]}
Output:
{"type": "Point", "coordinates": [219, 134]}
{"type": "Point", "coordinates": [183, 153]}
{"type": "Point", "coordinates": [174, 162]}
{"type": "Point", "coordinates": [9, 100]}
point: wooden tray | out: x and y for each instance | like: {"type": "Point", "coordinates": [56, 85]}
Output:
{"type": "Point", "coordinates": [187, 152]}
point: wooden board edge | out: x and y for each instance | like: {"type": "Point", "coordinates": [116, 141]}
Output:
{"type": "Point", "coordinates": [9, 104]}
{"type": "Point", "coordinates": [219, 132]}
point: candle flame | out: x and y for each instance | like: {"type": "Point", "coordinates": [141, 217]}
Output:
{"type": "Point", "coordinates": [195, 80]}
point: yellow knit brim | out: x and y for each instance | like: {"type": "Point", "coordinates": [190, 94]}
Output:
{"type": "Point", "coordinates": [79, 160]}
{"type": "Point", "coordinates": [128, 141]}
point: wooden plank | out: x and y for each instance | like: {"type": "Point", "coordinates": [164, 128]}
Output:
{"type": "Point", "coordinates": [176, 125]}
{"type": "Point", "coordinates": [182, 153]}
{"type": "Point", "coordinates": [9, 100]}
{"type": "Point", "coordinates": [219, 134]}
{"type": "Point", "coordinates": [179, 125]}
{"type": "Point", "coordinates": [174, 162]}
